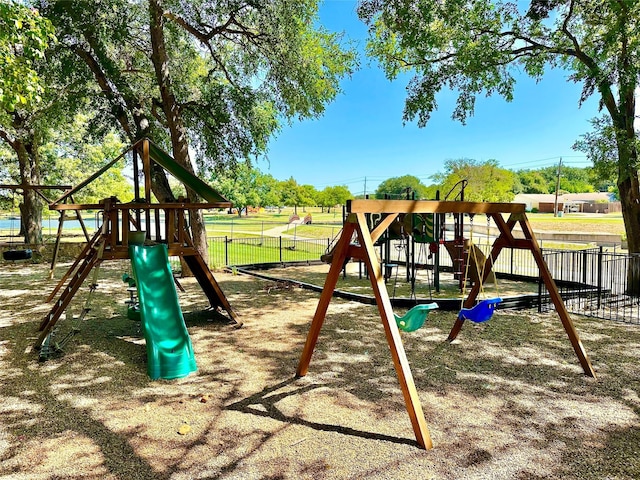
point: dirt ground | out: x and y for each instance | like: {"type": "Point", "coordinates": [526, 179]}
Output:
{"type": "Point", "coordinates": [507, 400]}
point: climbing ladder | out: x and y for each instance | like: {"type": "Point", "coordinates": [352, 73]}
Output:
{"type": "Point", "coordinates": [76, 275]}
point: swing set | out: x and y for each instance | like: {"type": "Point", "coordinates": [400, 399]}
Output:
{"type": "Point", "coordinates": [357, 241]}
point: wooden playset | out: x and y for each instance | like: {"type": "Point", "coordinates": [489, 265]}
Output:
{"type": "Point", "coordinates": [356, 241]}
{"type": "Point", "coordinates": [165, 223]}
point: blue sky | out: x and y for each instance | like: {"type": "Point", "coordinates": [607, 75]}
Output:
{"type": "Point", "coordinates": [362, 136]}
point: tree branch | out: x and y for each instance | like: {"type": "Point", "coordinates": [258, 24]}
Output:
{"type": "Point", "coordinates": [7, 138]}
{"type": "Point", "coordinates": [105, 85]}
{"type": "Point", "coordinates": [603, 84]}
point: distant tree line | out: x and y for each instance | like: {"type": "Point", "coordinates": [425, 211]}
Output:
{"type": "Point", "coordinates": [248, 187]}
{"type": "Point", "coordinates": [488, 182]}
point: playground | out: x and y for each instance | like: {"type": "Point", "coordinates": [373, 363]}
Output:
{"type": "Point", "coordinates": [119, 370]}
{"type": "Point", "coordinates": [507, 399]}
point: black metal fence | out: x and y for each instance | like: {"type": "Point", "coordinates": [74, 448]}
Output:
{"type": "Point", "coordinates": [592, 281]}
{"type": "Point", "coordinates": [596, 283]}
{"type": "Point", "coordinates": [225, 251]}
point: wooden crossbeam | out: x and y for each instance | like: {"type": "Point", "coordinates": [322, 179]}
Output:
{"type": "Point", "coordinates": [35, 187]}
{"type": "Point", "coordinates": [430, 206]}
{"type": "Point", "coordinates": [141, 206]}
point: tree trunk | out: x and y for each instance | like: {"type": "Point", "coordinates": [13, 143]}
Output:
{"type": "Point", "coordinates": [629, 188]}
{"type": "Point", "coordinates": [172, 113]}
{"type": "Point", "coordinates": [31, 207]}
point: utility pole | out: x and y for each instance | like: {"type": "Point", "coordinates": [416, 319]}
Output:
{"type": "Point", "coordinates": [555, 206]}
{"type": "Point", "coordinates": [365, 187]}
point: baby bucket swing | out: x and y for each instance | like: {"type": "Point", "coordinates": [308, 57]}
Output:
{"type": "Point", "coordinates": [14, 254]}
{"type": "Point", "coordinates": [417, 315]}
{"type": "Point", "coordinates": [483, 310]}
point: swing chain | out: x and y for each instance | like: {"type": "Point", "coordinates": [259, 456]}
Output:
{"type": "Point", "coordinates": [488, 229]}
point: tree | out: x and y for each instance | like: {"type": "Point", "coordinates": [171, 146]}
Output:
{"type": "Point", "coordinates": [533, 181]}
{"type": "Point", "coordinates": [397, 188]}
{"type": "Point", "coordinates": [239, 186]}
{"type": "Point", "coordinates": [24, 38]}
{"type": "Point", "coordinates": [487, 182]}
{"type": "Point", "coordinates": [267, 188]}
{"type": "Point", "coordinates": [600, 147]}
{"type": "Point", "coordinates": [212, 78]}
{"type": "Point", "coordinates": [290, 194]}
{"type": "Point", "coordinates": [332, 196]}
{"type": "Point", "coordinates": [477, 47]}
{"type": "Point", "coordinates": [308, 196]}
{"type": "Point", "coordinates": [72, 153]}
{"type": "Point", "coordinates": [572, 180]}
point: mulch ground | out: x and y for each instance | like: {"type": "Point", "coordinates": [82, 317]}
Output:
{"type": "Point", "coordinates": [507, 400]}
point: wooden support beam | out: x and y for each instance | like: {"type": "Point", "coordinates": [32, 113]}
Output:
{"type": "Point", "coordinates": [141, 206]}
{"type": "Point", "coordinates": [385, 223]}
{"type": "Point", "coordinates": [358, 224]}
{"type": "Point", "coordinates": [554, 294]}
{"type": "Point", "coordinates": [398, 355]}
{"type": "Point", "coordinates": [146, 168]}
{"type": "Point", "coordinates": [430, 206]}
{"type": "Point", "coordinates": [35, 187]}
{"type": "Point", "coordinates": [339, 256]}
{"type": "Point", "coordinates": [86, 182]}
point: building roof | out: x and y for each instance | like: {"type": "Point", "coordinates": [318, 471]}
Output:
{"type": "Point", "coordinates": [563, 198]}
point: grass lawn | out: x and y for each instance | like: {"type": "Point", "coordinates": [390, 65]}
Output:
{"type": "Point", "coordinates": [578, 223]}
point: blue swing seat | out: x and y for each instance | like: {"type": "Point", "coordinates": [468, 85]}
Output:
{"type": "Point", "coordinates": [414, 318]}
{"type": "Point", "coordinates": [481, 311]}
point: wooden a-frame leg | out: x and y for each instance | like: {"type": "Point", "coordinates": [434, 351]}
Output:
{"type": "Point", "coordinates": [455, 330]}
{"type": "Point", "coordinates": [561, 308]}
{"type": "Point", "coordinates": [400, 362]}
{"type": "Point", "coordinates": [339, 256]}
{"type": "Point", "coordinates": [505, 233]}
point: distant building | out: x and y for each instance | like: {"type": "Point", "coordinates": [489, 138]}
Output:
{"type": "Point", "coordinates": [591, 202]}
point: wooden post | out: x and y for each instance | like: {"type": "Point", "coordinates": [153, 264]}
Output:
{"type": "Point", "coordinates": [339, 256]}
{"type": "Point", "coordinates": [366, 251]}
{"type": "Point", "coordinates": [561, 309]}
{"type": "Point", "coordinates": [400, 362]}
{"type": "Point", "coordinates": [146, 166]}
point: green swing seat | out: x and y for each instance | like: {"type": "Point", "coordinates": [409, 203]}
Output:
{"type": "Point", "coordinates": [415, 317]}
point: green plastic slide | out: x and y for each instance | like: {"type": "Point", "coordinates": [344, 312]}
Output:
{"type": "Point", "coordinates": [167, 162]}
{"type": "Point", "coordinates": [169, 350]}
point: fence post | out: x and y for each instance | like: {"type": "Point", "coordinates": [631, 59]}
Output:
{"type": "Point", "coordinates": [511, 266]}
{"type": "Point", "coordinates": [599, 282]}
{"type": "Point", "coordinates": [226, 251]}
{"type": "Point", "coordinates": [280, 242]}
{"type": "Point", "coordinates": [540, 283]}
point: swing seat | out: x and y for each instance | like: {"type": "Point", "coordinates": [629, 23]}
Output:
{"type": "Point", "coordinates": [414, 318]}
{"type": "Point", "coordinates": [481, 311]}
{"type": "Point", "coordinates": [14, 255]}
